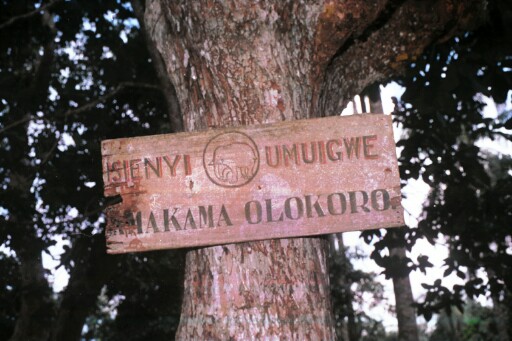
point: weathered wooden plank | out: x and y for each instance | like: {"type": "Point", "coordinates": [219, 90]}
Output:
{"type": "Point", "coordinates": [297, 178]}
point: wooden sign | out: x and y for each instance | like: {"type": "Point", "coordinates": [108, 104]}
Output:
{"type": "Point", "coordinates": [288, 179]}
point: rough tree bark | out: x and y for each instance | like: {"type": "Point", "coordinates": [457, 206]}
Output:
{"type": "Point", "coordinates": [247, 62]}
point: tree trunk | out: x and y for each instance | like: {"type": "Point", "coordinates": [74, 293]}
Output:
{"type": "Point", "coordinates": [245, 62]}
{"type": "Point", "coordinates": [231, 67]}
{"type": "Point", "coordinates": [374, 99]}
{"type": "Point", "coordinates": [405, 312]}
{"type": "Point", "coordinates": [36, 304]}
{"type": "Point", "coordinates": [168, 91]}
{"type": "Point", "coordinates": [345, 330]}
{"type": "Point", "coordinates": [85, 283]}
{"type": "Point", "coordinates": [35, 315]}
{"type": "Point", "coordinates": [276, 288]}
{"type": "Point", "coordinates": [501, 312]}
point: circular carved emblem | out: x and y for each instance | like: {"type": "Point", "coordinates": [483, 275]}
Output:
{"type": "Point", "coordinates": [231, 159]}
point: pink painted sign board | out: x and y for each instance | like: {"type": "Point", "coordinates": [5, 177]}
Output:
{"type": "Point", "coordinates": [288, 179]}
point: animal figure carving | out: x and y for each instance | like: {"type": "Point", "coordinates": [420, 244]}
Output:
{"type": "Point", "coordinates": [234, 162]}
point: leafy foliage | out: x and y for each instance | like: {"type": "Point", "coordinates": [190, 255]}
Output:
{"type": "Point", "coordinates": [10, 287]}
{"type": "Point", "coordinates": [81, 75]}
{"type": "Point", "coordinates": [470, 202]}
{"type": "Point", "coordinates": [351, 288]}
{"type": "Point", "coordinates": [149, 309]}
{"type": "Point", "coordinates": [476, 323]}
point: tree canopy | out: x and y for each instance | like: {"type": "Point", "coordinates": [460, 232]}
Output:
{"type": "Point", "coordinates": [469, 204]}
{"type": "Point", "coordinates": [71, 75]}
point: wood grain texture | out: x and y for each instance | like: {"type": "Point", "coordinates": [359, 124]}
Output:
{"type": "Point", "coordinates": [300, 178]}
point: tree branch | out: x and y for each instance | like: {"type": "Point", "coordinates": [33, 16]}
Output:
{"type": "Point", "coordinates": [27, 15]}
{"type": "Point", "coordinates": [169, 92]}
{"type": "Point", "coordinates": [94, 103]}
{"type": "Point", "coordinates": [49, 153]}
{"type": "Point", "coordinates": [85, 283]}
{"type": "Point", "coordinates": [26, 118]}
{"type": "Point", "coordinates": [388, 50]}
{"type": "Point", "coordinates": [122, 86]}
{"type": "Point", "coordinates": [88, 106]}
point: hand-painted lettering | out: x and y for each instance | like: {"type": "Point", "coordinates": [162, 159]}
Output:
{"type": "Point", "coordinates": [188, 167]}
{"type": "Point", "coordinates": [367, 145]}
{"type": "Point", "coordinates": [306, 152]}
{"type": "Point", "coordinates": [174, 221]}
{"type": "Point", "coordinates": [321, 151]}
{"type": "Point", "coordinates": [134, 169]}
{"type": "Point", "coordinates": [120, 171]}
{"type": "Point", "coordinates": [134, 221]}
{"type": "Point", "coordinates": [206, 216]}
{"type": "Point", "coordinates": [172, 165]}
{"type": "Point", "coordinates": [190, 220]}
{"type": "Point", "coordinates": [383, 196]}
{"type": "Point", "coordinates": [156, 168]}
{"type": "Point", "coordinates": [352, 146]}
{"type": "Point", "coordinates": [152, 224]}
{"type": "Point", "coordinates": [116, 167]}
{"type": "Point", "coordinates": [342, 204]}
{"type": "Point", "coordinates": [289, 153]}
{"type": "Point", "coordinates": [331, 154]}
{"type": "Point", "coordinates": [224, 217]}
{"type": "Point", "coordinates": [126, 166]}
{"type": "Point", "coordinates": [270, 218]}
{"type": "Point", "coordinates": [268, 156]}
{"type": "Point", "coordinates": [309, 207]}
{"type": "Point", "coordinates": [249, 217]}
{"type": "Point", "coordinates": [354, 202]}
{"type": "Point", "coordinates": [291, 208]}
{"type": "Point", "coordinates": [296, 212]}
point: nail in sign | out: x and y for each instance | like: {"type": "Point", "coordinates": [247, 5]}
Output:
{"type": "Point", "coordinates": [287, 179]}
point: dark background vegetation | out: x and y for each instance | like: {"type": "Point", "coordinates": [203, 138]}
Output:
{"type": "Point", "coordinates": [81, 72]}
